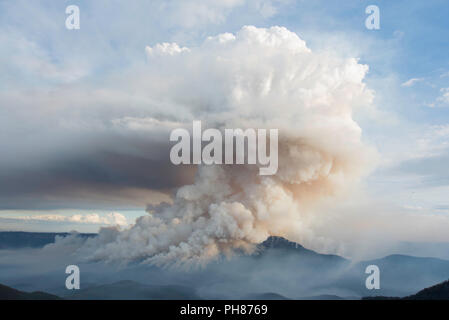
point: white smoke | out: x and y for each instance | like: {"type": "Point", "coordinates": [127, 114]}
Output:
{"type": "Point", "coordinates": [257, 78]}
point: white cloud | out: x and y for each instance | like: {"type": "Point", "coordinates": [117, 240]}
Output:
{"type": "Point", "coordinates": [109, 219]}
{"type": "Point", "coordinates": [411, 82]}
{"type": "Point", "coordinates": [193, 13]}
{"type": "Point", "coordinates": [443, 99]}
{"type": "Point", "coordinates": [165, 48]}
{"type": "Point", "coordinates": [30, 58]}
{"type": "Point", "coordinates": [398, 34]}
{"type": "Point", "coordinates": [423, 142]}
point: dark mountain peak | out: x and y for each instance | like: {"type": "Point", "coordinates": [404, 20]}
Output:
{"type": "Point", "coordinates": [8, 293]}
{"type": "Point", "coordinates": [436, 292]}
{"type": "Point", "coordinates": [275, 242]}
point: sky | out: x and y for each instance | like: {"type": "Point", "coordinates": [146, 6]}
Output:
{"type": "Point", "coordinates": [74, 158]}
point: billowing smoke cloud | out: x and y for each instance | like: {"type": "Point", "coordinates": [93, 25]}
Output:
{"type": "Point", "coordinates": [257, 78]}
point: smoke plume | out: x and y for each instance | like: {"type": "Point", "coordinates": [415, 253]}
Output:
{"type": "Point", "coordinates": [257, 78]}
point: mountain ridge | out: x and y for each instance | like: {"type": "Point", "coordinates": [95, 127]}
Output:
{"type": "Point", "coordinates": [277, 268]}
{"type": "Point", "coordinates": [8, 293]}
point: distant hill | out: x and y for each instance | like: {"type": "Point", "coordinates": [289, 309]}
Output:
{"type": "Point", "coordinates": [265, 296]}
{"type": "Point", "coordinates": [381, 298]}
{"type": "Point", "coordinates": [8, 293]}
{"type": "Point", "coordinates": [331, 276]}
{"type": "Point", "coordinates": [323, 297]}
{"type": "Point", "coordinates": [19, 239]}
{"type": "Point", "coordinates": [436, 292]}
{"type": "Point", "coordinates": [127, 290]}
{"type": "Point", "coordinates": [277, 269]}
{"type": "Point", "coordinates": [403, 275]}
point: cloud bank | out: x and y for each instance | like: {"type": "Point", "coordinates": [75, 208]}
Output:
{"type": "Point", "coordinates": [113, 218]}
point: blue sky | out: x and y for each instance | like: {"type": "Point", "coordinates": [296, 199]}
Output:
{"type": "Point", "coordinates": [409, 73]}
